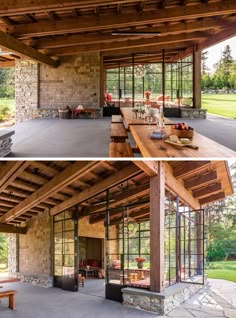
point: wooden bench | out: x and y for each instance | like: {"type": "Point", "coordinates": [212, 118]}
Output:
{"type": "Point", "coordinates": [118, 132]}
{"type": "Point", "coordinates": [11, 295]}
{"type": "Point", "coordinates": [120, 150]}
{"type": "Point", "coordinates": [116, 119]}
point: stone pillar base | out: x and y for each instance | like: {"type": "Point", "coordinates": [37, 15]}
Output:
{"type": "Point", "coordinates": [160, 303]}
{"type": "Point", "coordinates": [192, 113]}
{"type": "Point", "coordinates": [37, 280]}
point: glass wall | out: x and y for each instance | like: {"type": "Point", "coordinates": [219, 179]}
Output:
{"type": "Point", "coordinates": [169, 84]}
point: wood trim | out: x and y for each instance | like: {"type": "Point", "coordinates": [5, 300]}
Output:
{"type": "Point", "coordinates": [157, 227]}
{"type": "Point", "coordinates": [6, 228]}
{"type": "Point", "coordinates": [10, 43]}
{"type": "Point", "coordinates": [123, 174]}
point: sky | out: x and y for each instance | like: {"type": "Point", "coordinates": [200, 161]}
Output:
{"type": "Point", "coordinates": [214, 52]}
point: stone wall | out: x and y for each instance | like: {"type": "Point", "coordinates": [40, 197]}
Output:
{"type": "Point", "coordinates": [160, 303]}
{"type": "Point", "coordinates": [38, 86]}
{"type": "Point", "coordinates": [35, 252]}
{"type": "Point", "coordinates": [91, 230]}
{"type": "Point", "coordinates": [76, 81]}
{"type": "Point", "coordinates": [26, 88]}
{"type": "Point", "coordinates": [13, 240]}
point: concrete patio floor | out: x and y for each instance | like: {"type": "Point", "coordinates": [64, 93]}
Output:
{"type": "Point", "coordinates": [62, 138]}
{"type": "Point", "coordinates": [57, 138]}
{"type": "Point", "coordinates": [217, 299]}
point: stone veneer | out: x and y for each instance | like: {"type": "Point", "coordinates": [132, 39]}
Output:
{"type": "Point", "coordinates": [31, 261]}
{"type": "Point", "coordinates": [76, 81]}
{"type": "Point", "coordinates": [26, 88]}
{"type": "Point", "coordinates": [186, 112]}
{"type": "Point", "coordinates": [160, 303]}
{"type": "Point", "coordinates": [13, 259]}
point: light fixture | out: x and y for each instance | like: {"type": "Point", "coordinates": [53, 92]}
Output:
{"type": "Point", "coordinates": [139, 70]}
{"type": "Point", "coordinates": [135, 33]}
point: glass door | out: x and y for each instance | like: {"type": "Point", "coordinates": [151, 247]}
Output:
{"type": "Point", "coordinates": [66, 250]}
{"type": "Point", "coordinates": [191, 236]}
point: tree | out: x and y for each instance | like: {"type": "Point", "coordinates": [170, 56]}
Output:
{"type": "Point", "coordinates": [7, 82]}
{"type": "Point", "coordinates": [204, 57]}
{"type": "Point", "coordinates": [221, 226]}
{"type": "Point", "coordinates": [3, 248]}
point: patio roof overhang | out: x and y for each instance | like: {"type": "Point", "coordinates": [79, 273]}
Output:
{"type": "Point", "coordinates": [46, 31]}
{"type": "Point", "coordinates": [29, 188]}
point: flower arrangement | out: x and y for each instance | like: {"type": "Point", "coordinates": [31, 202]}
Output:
{"type": "Point", "coordinates": [140, 259]}
{"type": "Point", "coordinates": [147, 94]}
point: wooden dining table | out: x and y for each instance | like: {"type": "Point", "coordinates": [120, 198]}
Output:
{"type": "Point", "coordinates": [154, 148]}
{"type": "Point", "coordinates": [131, 118]}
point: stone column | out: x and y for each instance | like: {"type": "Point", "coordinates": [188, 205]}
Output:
{"type": "Point", "coordinates": [26, 88]}
{"type": "Point", "coordinates": [13, 254]}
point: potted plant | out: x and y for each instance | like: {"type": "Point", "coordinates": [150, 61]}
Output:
{"type": "Point", "coordinates": [140, 260]}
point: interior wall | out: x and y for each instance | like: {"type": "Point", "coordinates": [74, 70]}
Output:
{"type": "Point", "coordinates": [86, 229]}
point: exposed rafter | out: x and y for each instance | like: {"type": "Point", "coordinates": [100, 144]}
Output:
{"type": "Point", "coordinates": [10, 43]}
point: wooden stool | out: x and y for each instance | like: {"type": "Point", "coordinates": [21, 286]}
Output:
{"type": "Point", "coordinates": [81, 280]}
{"type": "Point", "coordinates": [133, 277]}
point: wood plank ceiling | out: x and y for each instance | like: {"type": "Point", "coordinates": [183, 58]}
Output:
{"type": "Point", "coordinates": [47, 30]}
{"type": "Point", "coordinates": [29, 188]}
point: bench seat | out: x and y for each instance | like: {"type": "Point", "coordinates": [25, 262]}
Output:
{"type": "Point", "coordinates": [11, 295]}
{"type": "Point", "coordinates": [116, 119]}
{"type": "Point", "coordinates": [118, 132]}
{"type": "Point", "coordinates": [120, 150]}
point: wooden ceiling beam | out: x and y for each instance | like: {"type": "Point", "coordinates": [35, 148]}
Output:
{"type": "Point", "coordinates": [115, 21]}
{"type": "Point", "coordinates": [7, 64]}
{"type": "Point", "coordinates": [117, 199]}
{"type": "Point", "coordinates": [163, 4]}
{"type": "Point", "coordinates": [212, 198]}
{"type": "Point", "coordinates": [6, 228]}
{"type": "Point", "coordinates": [177, 186]}
{"type": "Point", "coordinates": [82, 39]}
{"type": "Point", "coordinates": [202, 179]}
{"type": "Point", "coordinates": [114, 179]}
{"type": "Point", "coordinates": [133, 215]}
{"type": "Point", "coordinates": [145, 43]}
{"type": "Point", "coordinates": [149, 167]}
{"type": "Point", "coordinates": [60, 181]}
{"type": "Point", "coordinates": [10, 43]}
{"type": "Point", "coordinates": [223, 35]}
{"type": "Point", "coordinates": [10, 171]}
{"type": "Point", "coordinates": [189, 167]}
{"type": "Point", "coordinates": [13, 7]}
{"type": "Point", "coordinates": [211, 189]}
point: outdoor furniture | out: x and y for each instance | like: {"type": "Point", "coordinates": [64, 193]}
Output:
{"type": "Point", "coordinates": [159, 148]}
{"type": "Point", "coordinates": [120, 149]}
{"type": "Point", "coordinates": [5, 141]}
{"type": "Point", "coordinates": [77, 111]}
{"type": "Point", "coordinates": [118, 132]}
{"type": "Point", "coordinates": [10, 294]}
{"type": "Point", "coordinates": [116, 119]}
{"type": "Point", "coordinates": [81, 280]}
{"type": "Point", "coordinates": [131, 119]}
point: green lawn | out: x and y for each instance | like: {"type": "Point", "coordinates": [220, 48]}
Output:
{"type": "Point", "coordinates": [223, 270]}
{"type": "Point", "coordinates": [220, 104]}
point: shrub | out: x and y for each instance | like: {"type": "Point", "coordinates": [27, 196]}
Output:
{"type": "Point", "coordinates": [5, 112]}
{"type": "Point", "coordinates": [215, 252]}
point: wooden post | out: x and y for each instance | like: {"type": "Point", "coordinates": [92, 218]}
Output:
{"type": "Point", "coordinates": [196, 78]}
{"type": "Point", "coordinates": [157, 215]}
